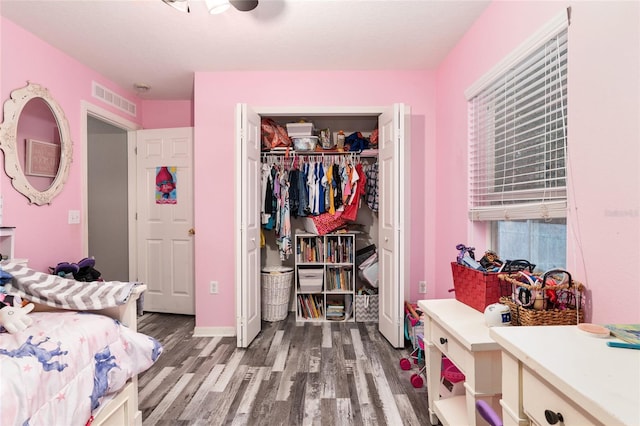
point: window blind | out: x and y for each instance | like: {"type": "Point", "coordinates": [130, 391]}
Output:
{"type": "Point", "coordinates": [518, 137]}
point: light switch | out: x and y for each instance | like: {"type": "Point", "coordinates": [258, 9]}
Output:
{"type": "Point", "coordinates": [74, 217]}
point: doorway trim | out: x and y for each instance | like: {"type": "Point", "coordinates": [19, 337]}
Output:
{"type": "Point", "coordinates": [90, 110]}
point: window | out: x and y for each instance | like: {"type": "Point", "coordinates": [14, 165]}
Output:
{"type": "Point", "coordinates": [518, 149]}
{"type": "Point", "coordinates": [541, 242]}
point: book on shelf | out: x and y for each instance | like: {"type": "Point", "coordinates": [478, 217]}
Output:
{"type": "Point", "coordinates": [310, 306]}
{"type": "Point", "coordinates": [309, 249]}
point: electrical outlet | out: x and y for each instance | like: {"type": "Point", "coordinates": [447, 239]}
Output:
{"type": "Point", "coordinates": [422, 287]}
{"type": "Point", "coordinates": [213, 287]}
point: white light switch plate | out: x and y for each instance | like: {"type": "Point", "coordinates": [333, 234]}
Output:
{"type": "Point", "coordinates": [74, 217]}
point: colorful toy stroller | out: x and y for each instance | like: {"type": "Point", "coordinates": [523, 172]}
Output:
{"type": "Point", "coordinates": [414, 332]}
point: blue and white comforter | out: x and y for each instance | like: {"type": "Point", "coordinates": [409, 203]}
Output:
{"type": "Point", "coordinates": [63, 367]}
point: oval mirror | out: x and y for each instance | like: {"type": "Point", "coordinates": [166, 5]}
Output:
{"type": "Point", "coordinates": [36, 143]}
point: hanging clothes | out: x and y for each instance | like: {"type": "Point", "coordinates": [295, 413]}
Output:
{"type": "Point", "coordinates": [358, 180]}
{"type": "Point", "coordinates": [312, 187]}
{"type": "Point", "coordinates": [303, 192]}
{"type": "Point", "coordinates": [294, 192]}
{"type": "Point", "coordinates": [331, 208]}
{"type": "Point", "coordinates": [312, 184]}
{"type": "Point", "coordinates": [267, 193]}
{"type": "Point", "coordinates": [321, 188]}
{"type": "Point", "coordinates": [284, 222]}
{"type": "Point", "coordinates": [371, 173]}
{"type": "Point", "coordinates": [337, 187]}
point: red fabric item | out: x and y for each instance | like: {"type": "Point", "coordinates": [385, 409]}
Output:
{"type": "Point", "coordinates": [327, 222]}
{"type": "Point", "coordinates": [273, 134]}
{"type": "Point", "coordinates": [351, 210]}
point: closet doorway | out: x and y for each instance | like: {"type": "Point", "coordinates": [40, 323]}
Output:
{"type": "Point", "coordinates": [393, 224]}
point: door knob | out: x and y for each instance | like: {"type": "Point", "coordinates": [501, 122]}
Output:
{"type": "Point", "coordinates": [192, 231]}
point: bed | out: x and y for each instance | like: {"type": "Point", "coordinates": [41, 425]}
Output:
{"type": "Point", "coordinates": [77, 364]}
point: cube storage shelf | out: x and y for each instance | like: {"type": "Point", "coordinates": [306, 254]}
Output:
{"type": "Point", "coordinates": [325, 277]}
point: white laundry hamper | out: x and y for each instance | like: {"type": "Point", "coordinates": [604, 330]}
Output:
{"type": "Point", "coordinates": [276, 290]}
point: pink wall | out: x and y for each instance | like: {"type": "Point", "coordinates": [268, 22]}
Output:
{"type": "Point", "coordinates": [43, 234]}
{"type": "Point", "coordinates": [605, 188]}
{"type": "Point", "coordinates": [216, 95]}
{"type": "Point", "coordinates": [604, 231]}
{"type": "Point", "coordinates": [166, 114]}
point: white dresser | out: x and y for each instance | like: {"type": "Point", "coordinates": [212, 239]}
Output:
{"type": "Point", "coordinates": [7, 245]}
{"type": "Point", "coordinates": [454, 329]}
{"type": "Point", "coordinates": [555, 372]}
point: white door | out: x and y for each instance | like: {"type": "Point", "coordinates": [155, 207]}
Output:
{"type": "Point", "coordinates": [392, 213]}
{"type": "Point", "coordinates": [248, 307]}
{"type": "Point", "coordinates": [165, 219]}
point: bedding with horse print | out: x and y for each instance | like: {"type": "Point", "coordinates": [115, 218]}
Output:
{"type": "Point", "coordinates": [64, 367]}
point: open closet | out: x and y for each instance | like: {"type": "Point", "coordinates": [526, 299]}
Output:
{"type": "Point", "coordinates": [386, 228]}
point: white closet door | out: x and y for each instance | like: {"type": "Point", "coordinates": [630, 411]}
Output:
{"type": "Point", "coordinates": [248, 309]}
{"type": "Point", "coordinates": [392, 211]}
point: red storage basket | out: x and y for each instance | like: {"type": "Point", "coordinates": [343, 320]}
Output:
{"type": "Point", "coordinates": [476, 288]}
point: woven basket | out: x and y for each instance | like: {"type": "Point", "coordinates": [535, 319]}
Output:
{"type": "Point", "coordinates": [571, 314]}
{"type": "Point", "coordinates": [276, 291]}
{"type": "Point", "coordinates": [476, 288]}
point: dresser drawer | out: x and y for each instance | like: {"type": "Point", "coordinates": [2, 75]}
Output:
{"type": "Point", "coordinates": [539, 397]}
{"type": "Point", "coordinates": [450, 347]}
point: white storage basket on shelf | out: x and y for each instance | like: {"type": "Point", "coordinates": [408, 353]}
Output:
{"type": "Point", "coordinates": [276, 291]}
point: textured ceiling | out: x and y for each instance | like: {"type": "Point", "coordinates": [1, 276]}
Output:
{"type": "Point", "coordinates": [147, 41]}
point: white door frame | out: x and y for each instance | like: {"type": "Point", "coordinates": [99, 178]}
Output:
{"type": "Point", "coordinates": [87, 110]}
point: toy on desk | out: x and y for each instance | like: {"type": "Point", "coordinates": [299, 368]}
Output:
{"type": "Point", "coordinates": [497, 314]}
{"type": "Point", "coordinates": [490, 261]}
{"type": "Point", "coordinates": [465, 251]}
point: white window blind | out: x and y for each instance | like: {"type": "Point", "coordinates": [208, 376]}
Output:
{"type": "Point", "coordinates": [518, 137]}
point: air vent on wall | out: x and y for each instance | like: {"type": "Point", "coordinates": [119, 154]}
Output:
{"type": "Point", "coordinates": [113, 99]}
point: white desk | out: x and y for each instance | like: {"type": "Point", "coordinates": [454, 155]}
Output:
{"type": "Point", "coordinates": [562, 370]}
{"type": "Point", "coordinates": [459, 332]}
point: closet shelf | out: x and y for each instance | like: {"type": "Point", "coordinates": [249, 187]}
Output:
{"type": "Point", "coordinates": [366, 153]}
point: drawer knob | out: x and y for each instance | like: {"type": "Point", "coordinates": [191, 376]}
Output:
{"type": "Point", "coordinates": [553, 418]}
{"type": "Point", "coordinates": [443, 340]}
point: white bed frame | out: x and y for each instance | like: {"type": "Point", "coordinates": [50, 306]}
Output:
{"type": "Point", "coordinates": [122, 410]}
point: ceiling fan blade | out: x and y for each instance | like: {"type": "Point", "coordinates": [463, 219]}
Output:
{"type": "Point", "coordinates": [244, 5]}
{"type": "Point", "coordinates": [181, 5]}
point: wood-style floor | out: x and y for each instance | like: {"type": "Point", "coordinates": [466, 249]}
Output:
{"type": "Point", "coordinates": [292, 374]}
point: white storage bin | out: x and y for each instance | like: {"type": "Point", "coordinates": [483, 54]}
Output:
{"type": "Point", "coordinates": [299, 129]}
{"type": "Point", "coordinates": [306, 143]}
{"type": "Point", "coordinates": [310, 280]}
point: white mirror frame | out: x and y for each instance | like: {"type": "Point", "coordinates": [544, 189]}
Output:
{"type": "Point", "coordinates": [8, 134]}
